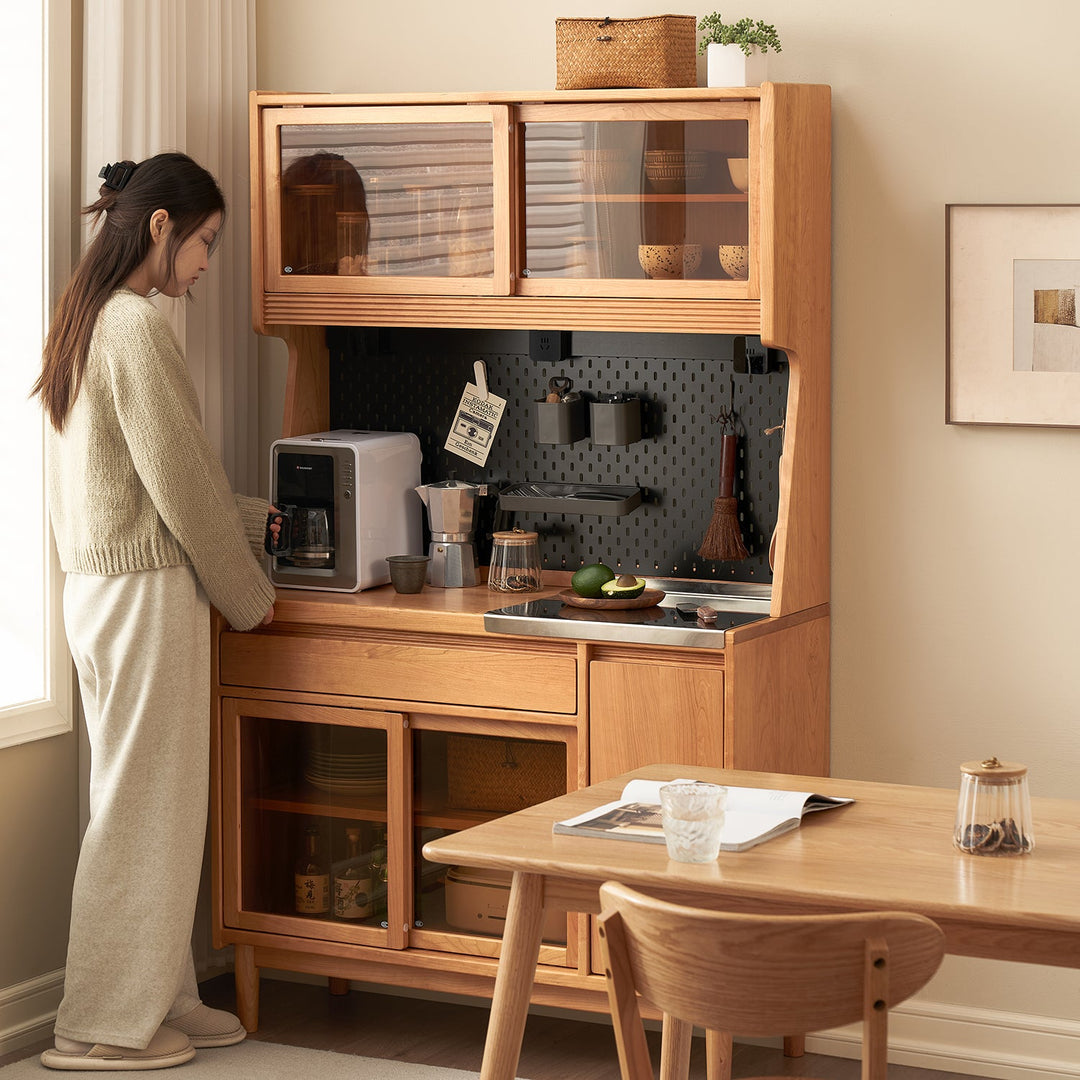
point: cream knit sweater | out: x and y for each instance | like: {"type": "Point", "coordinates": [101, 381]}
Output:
{"type": "Point", "coordinates": [134, 483]}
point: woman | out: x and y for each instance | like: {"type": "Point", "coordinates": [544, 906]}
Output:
{"type": "Point", "coordinates": [148, 530]}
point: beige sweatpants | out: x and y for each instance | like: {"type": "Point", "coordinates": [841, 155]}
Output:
{"type": "Point", "coordinates": [141, 644]}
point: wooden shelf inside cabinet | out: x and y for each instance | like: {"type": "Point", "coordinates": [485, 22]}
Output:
{"type": "Point", "coordinates": [432, 815]}
{"type": "Point", "coordinates": [552, 200]}
{"type": "Point", "coordinates": [428, 812]}
{"type": "Point", "coordinates": [311, 801]}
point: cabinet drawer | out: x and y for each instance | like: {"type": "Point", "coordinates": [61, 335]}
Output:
{"type": "Point", "coordinates": [446, 672]}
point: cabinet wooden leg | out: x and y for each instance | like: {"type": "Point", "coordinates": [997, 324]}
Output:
{"type": "Point", "coordinates": [338, 987]}
{"type": "Point", "coordinates": [794, 1045]}
{"type": "Point", "coordinates": [718, 1055]}
{"type": "Point", "coordinates": [247, 986]}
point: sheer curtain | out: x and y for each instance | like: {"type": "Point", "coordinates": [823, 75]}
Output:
{"type": "Point", "coordinates": [174, 75]}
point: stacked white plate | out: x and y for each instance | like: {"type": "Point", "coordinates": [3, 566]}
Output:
{"type": "Point", "coordinates": [347, 774]}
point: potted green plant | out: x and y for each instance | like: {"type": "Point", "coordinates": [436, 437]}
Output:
{"type": "Point", "coordinates": [735, 51]}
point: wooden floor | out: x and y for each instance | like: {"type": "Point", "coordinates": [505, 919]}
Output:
{"type": "Point", "coordinates": [452, 1035]}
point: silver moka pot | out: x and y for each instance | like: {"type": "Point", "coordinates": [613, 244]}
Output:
{"type": "Point", "coordinates": [451, 506]}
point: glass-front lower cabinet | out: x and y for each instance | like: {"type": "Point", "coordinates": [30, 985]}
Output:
{"type": "Point", "coordinates": [640, 201]}
{"type": "Point", "coordinates": [325, 812]}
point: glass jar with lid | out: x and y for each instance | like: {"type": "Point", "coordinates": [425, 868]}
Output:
{"type": "Point", "coordinates": [515, 562]}
{"type": "Point", "coordinates": [993, 816]}
{"type": "Point", "coordinates": [353, 229]}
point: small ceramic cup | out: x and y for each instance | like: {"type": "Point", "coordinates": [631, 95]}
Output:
{"type": "Point", "coordinates": [408, 572]}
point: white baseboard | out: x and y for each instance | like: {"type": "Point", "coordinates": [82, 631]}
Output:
{"type": "Point", "coordinates": [28, 1011]}
{"type": "Point", "coordinates": [969, 1041]}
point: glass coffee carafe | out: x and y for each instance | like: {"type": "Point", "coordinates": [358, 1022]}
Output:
{"type": "Point", "coordinates": [307, 537]}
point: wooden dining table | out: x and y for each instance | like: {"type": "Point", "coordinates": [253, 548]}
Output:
{"type": "Point", "coordinates": [891, 849]}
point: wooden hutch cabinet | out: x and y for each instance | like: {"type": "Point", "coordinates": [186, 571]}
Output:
{"type": "Point", "coordinates": [366, 723]}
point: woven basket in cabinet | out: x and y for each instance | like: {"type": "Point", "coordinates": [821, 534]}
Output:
{"type": "Point", "coordinates": [485, 773]}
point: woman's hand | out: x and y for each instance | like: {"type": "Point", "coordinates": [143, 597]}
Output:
{"type": "Point", "coordinates": [273, 524]}
{"type": "Point", "coordinates": [268, 618]}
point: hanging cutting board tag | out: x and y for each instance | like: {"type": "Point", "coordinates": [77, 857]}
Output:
{"type": "Point", "coordinates": [476, 420]}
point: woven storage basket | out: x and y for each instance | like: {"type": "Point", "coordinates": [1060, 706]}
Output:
{"type": "Point", "coordinates": [595, 54]}
{"type": "Point", "coordinates": [502, 774]}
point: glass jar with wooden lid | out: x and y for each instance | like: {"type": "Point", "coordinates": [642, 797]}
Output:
{"type": "Point", "coordinates": [515, 562]}
{"type": "Point", "coordinates": [993, 816]}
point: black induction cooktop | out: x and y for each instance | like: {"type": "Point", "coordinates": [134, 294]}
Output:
{"type": "Point", "coordinates": [662, 624]}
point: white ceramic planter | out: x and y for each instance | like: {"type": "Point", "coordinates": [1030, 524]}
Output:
{"type": "Point", "coordinates": [727, 65]}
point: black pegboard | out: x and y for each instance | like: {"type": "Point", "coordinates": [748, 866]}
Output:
{"type": "Point", "coordinates": [411, 380]}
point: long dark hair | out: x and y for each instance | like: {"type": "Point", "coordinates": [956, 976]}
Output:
{"type": "Point", "coordinates": [171, 182]}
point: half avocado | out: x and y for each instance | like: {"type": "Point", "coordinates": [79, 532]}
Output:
{"type": "Point", "coordinates": [624, 587]}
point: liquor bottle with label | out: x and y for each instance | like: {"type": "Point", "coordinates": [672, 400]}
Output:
{"type": "Point", "coordinates": [379, 875]}
{"type": "Point", "coordinates": [311, 877]}
{"type": "Point", "coordinates": [352, 886]}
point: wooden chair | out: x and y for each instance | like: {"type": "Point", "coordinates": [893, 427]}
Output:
{"type": "Point", "coordinates": [755, 975]}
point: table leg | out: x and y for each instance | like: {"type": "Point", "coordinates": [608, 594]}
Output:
{"type": "Point", "coordinates": [794, 1045]}
{"type": "Point", "coordinates": [675, 1049]}
{"type": "Point", "coordinates": [718, 1051]}
{"type": "Point", "coordinates": [518, 955]}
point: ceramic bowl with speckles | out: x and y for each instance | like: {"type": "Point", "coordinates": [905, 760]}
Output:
{"type": "Point", "coordinates": [735, 261]}
{"type": "Point", "coordinates": [669, 260]}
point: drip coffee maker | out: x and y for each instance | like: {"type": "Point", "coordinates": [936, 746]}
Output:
{"type": "Point", "coordinates": [451, 505]}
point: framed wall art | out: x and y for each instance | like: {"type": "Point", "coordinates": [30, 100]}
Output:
{"type": "Point", "coordinates": [1012, 341]}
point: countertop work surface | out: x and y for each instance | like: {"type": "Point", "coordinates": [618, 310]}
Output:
{"type": "Point", "coordinates": [435, 610]}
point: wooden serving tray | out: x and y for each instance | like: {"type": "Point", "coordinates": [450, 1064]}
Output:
{"type": "Point", "coordinates": [649, 598]}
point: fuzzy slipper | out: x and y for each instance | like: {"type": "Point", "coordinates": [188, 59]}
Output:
{"type": "Point", "coordinates": [209, 1027]}
{"type": "Point", "coordinates": [167, 1048]}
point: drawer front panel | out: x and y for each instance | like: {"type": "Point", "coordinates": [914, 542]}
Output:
{"type": "Point", "coordinates": [450, 673]}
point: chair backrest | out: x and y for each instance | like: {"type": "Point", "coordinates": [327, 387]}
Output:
{"type": "Point", "coordinates": [759, 974]}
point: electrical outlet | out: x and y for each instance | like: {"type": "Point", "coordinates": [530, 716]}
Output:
{"type": "Point", "coordinates": [750, 357]}
{"type": "Point", "coordinates": [549, 345]}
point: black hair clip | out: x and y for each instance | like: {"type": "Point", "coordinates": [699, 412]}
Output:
{"type": "Point", "coordinates": [116, 176]}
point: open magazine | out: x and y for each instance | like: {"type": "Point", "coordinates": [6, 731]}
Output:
{"type": "Point", "coordinates": [753, 815]}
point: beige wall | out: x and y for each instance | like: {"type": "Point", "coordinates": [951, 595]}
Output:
{"type": "Point", "coordinates": [955, 576]}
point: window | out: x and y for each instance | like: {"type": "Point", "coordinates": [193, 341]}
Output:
{"type": "Point", "coordinates": [35, 670]}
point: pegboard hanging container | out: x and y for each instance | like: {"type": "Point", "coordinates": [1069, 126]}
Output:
{"type": "Point", "coordinates": [993, 815]}
{"type": "Point", "coordinates": [652, 52]}
{"type": "Point", "coordinates": [560, 422]}
{"type": "Point", "coordinates": [615, 422]}
{"type": "Point", "coordinates": [484, 773]}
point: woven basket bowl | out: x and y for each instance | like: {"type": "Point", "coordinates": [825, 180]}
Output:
{"type": "Point", "coordinates": [671, 168]}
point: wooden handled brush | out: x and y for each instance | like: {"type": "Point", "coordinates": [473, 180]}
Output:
{"type": "Point", "coordinates": [724, 539]}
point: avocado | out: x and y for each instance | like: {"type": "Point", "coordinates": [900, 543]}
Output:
{"type": "Point", "coordinates": [624, 587]}
{"type": "Point", "coordinates": [589, 579]}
